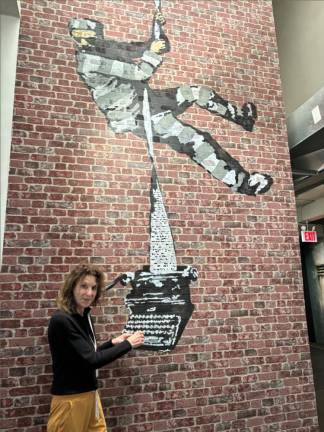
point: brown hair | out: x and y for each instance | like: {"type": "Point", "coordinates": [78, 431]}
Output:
{"type": "Point", "coordinates": [65, 299]}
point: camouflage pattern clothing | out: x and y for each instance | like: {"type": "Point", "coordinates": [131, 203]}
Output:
{"type": "Point", "coordinates": [117, 86]}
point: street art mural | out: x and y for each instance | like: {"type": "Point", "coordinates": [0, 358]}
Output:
{"type": "Point", "coordinates": [117, 75]}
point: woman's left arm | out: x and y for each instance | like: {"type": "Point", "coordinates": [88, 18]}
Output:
{"type": "Point", "coordinates": [114, 341]}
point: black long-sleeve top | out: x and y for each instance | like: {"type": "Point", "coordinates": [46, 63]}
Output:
{"type": "Point", "coordinates": [74, 357]}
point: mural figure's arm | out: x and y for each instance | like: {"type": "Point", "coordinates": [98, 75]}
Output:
{"type": "Point", "coordinates": [123, 51]}
{"type": "Point", "coordinates": [150, 60]}
{"type": "Point", "coordinates": [158, 32]}
{"type": "Point", "coordinates": [97, 55]}
{"type": "Point", "coordinates": [130, 50]}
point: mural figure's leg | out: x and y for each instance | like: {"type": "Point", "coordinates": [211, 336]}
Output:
{"type": "Point", "coordinates": [208, 99]}
{"type": "Point", "coordinates": [204, 149]}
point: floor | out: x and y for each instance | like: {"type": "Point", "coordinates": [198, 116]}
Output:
{"type": "Point", "coordinates": [317, 355]}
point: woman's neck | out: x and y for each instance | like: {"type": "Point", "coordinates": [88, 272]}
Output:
{"type": "Point", "coordinates": [80, 311]}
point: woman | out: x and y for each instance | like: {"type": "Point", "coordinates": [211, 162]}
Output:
{"type": "Point", "coordinates": [76, 405]}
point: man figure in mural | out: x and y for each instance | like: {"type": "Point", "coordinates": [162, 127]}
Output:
{"type": "Point", "coordinates": [118, 83]}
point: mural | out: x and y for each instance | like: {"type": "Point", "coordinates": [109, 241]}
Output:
{"type": "Point", "coordinates": [159, 302]}
{"type": "Point", "coordinates": [117, 74]}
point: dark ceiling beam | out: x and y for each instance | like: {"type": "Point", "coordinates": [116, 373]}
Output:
{"type": "Point", "coordinates": [303, 172]}
{"type": "Point", "coordinates": [310, 144]}
{"type": "Point", "coordinates": [303, 185]}
{"type": "Point", "coordinates": [306, 121]}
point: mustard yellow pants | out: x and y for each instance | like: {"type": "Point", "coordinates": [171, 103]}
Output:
{"type": "Point", "coordinates": [80, 412]}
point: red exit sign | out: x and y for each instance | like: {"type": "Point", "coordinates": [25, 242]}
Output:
{"type": "Point", "coordinates": [309, 236]}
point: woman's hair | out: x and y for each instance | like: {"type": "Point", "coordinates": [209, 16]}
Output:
{"type": "Point", "coordinates": [65, 299]}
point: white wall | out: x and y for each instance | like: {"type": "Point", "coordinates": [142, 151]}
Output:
{"type": "Point", "coordinates": [300, 35]}
{"type": "Point", "coordinates": [9, 32]}
{"type": "Point", "coordinates": [312, 211]}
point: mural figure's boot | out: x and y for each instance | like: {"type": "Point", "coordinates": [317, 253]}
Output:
{"type": "Point", "coordinates": [249, 115]}
{"type": "Point", "coordinates": [255, 184]}
{"type": "Point", "coordinates": [244, 116]}
{"type": "Point", "coordinates": [207, 152]}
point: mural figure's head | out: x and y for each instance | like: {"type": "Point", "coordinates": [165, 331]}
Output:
{"type": "Point", "coordinates": [85, 31]}
{"type": "Point", "coordinates": [82, 288]}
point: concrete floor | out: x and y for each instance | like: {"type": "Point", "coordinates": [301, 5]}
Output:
{"type": "Point", "coordinates": [317, 355]}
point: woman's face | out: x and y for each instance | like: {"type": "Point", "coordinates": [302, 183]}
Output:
{"type": "Point", "coordinates": [85, 292]}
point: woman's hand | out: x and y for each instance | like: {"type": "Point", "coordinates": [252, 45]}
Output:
{"type": "Point", "coordinates": [120, 338]}
{"type": "Point", "coordinates": [136, 339]}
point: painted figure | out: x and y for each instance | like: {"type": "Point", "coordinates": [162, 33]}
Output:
{"type": "Point", "coordinates": [118, 74]}
{"type": "Point", "coordinates": [118, 85]}
{"type": "Point", "coordinates": [75, 405]}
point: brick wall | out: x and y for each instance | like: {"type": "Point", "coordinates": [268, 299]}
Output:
{"type": "Point", "coordinates": [77, 191]}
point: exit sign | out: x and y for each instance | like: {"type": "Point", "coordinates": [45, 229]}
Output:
{"type": "Point", "coordinates": [309, 236]}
